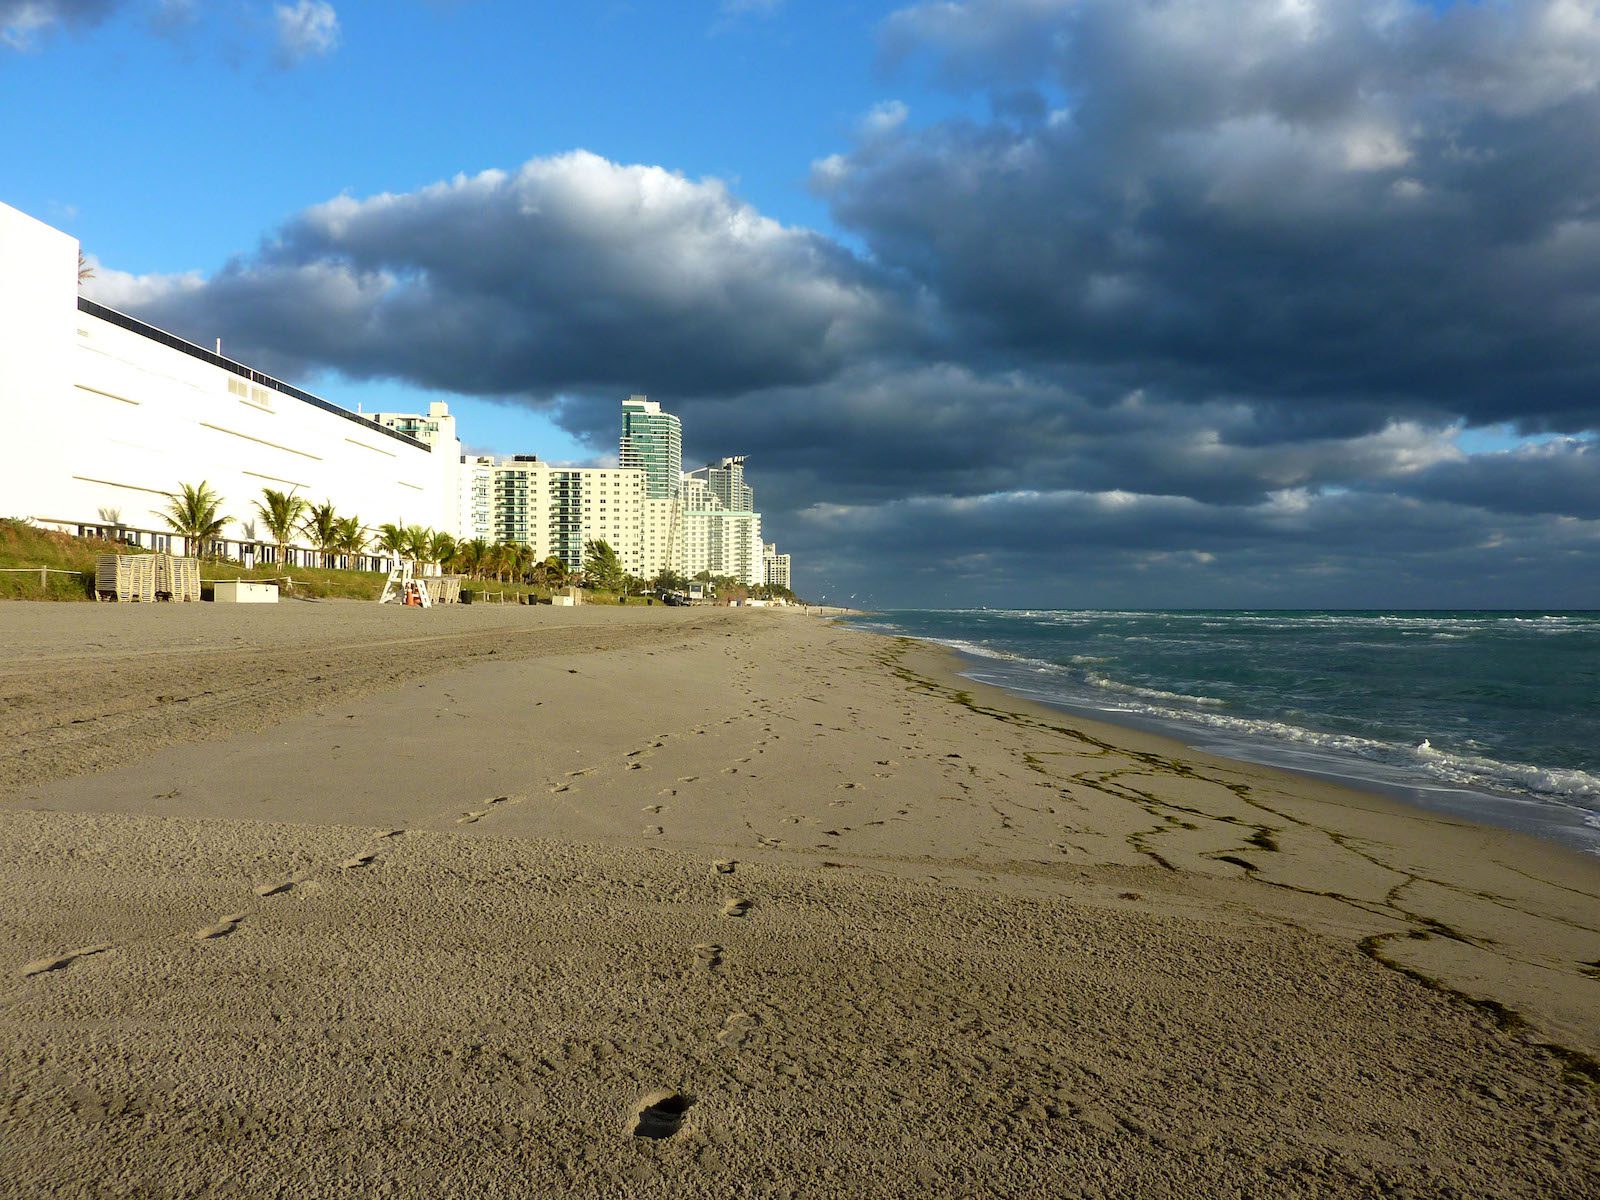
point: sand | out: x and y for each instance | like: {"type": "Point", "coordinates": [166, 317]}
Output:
{"type": "Point", "coordinates": [334, 900]}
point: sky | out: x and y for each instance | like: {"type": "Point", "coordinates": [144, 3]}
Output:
{"type": "Point", "coordinates": [1040, 303]}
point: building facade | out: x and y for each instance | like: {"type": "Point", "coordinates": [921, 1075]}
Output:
{"type": "Point", "coordinates": [775, 567]}
{"type": "Point", "coordinates": [652, 441]}
{"type": "Point", "coordinates": [475, 487]}
{"type": "Point", "coordinates": [724, 479]}
{"type": "Point", "coordinates": [106, 417]}
{"type": "Point", "coordinates": [558, 510]}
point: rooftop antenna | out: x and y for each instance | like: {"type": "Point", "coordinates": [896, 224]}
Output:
{"type": "Point", "coordinates": [219, 347]}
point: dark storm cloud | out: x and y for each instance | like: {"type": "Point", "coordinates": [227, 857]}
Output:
{"type": "Point", "coordinates": [1301, 203]}
{"type": "Point", "coordinates": [569, 272]}
{"type": "Point", "coordinates": [1561, 478]}
{"type": "Point", "coordinates": [879, 432]}
{"type": "Point", "coordinates": [1117, 549]}
{"type": "Point", "coordinates": [1195, 311]}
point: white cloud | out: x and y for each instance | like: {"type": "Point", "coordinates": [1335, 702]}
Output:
{"type": "Point", "coordinates": [308, 29]}
{"type": "Point", "coordinates": [567, 272]}
{"type": "Point", "coordinates": [20, 20]}
{"type": "Point", "coordinates": [884, 119]}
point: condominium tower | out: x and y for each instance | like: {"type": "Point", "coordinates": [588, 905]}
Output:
{"type": "Point", "coordinates": [652, 441]}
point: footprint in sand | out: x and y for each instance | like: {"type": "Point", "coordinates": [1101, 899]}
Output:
{"type": "Point", "coordinates": [687, 778]}
{"type": "Point", "coordinates": [768, 841]}
{"type": "Point", "coordinates": [41, 965]}
{"type": "Point", "coordinates": [651, 808]}
{"type": "Point", "coordinates": [724, 866]}
{"type": "Point", "coordinates": [274, 889]}
{"type": "Point", "coordinates": [359, 860]}
{"type": "Point", "coordinates": [653, 831]}
{"type": "Point", "coordinates": [737, 908]}
{"type": "Point", "coordinates": [223, 927]}
{"type": "Point", "coordinates": [735, 1029]}
{"type": "Point", "coordinates": [393, 833]}
{"type": "Point", "coordinates": [472, 818]}
{"type": "Point", "coordinates": [708, 956]}
{"type": "Point", "coordinates": [660, 1114]}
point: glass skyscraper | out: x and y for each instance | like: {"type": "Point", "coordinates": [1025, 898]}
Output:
{"type": "Point", "coordinates": [653, 441]}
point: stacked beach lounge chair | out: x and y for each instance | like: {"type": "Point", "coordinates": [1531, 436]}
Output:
{"type": "Point", "coordinates": [177, 578]}
{"type": "Point", "coordinates": [146, 577]}
{"type": "Point", "coordinates": [125, 577]}
{"type": "Point", "coordinates": [444, 589]}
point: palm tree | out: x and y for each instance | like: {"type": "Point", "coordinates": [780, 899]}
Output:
{"type": "Point", "coordinates": [474, 556]}
{"type": "Point", "coordinates": [601, 567]}
{"type": "Point", "coordinates": [321, 525]}
{"type": "Point", "coordinates": [521, 557]}
{"type": "Point", "coordinates": [195, 514]}
{"type": "Point", "coordinates": [551, 573]}
{"type": "Point", "coordinates": [440, 547]}
{"type": "Point", "coordinates": [281, 512]}
{"type": "Point", "coordinates": [417, 545]}
{"type": "Point", "coordinates": [352, 539]}
{"type": "Point", "coordinates": [392, 540]}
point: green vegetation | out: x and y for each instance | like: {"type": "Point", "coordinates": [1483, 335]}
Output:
{"type": "Point", "coordinates": [281, 513]}
{"type": "Point", "coordinates": [321, 525]}
{"type": "Point", "coordinates": [23, 545]}
{"type": "Point", "coordinates": [195, 514]}
{"type": "Point", "coordinates": [602, 569]}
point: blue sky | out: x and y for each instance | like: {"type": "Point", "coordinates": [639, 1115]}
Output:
{"type": "Point", "coordinates": [1122, 302]}
{"type": "Point", "coordinates": [168, 142]}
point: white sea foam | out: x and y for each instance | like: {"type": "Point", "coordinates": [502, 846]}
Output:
{"type": "Point", "coordinates": [1562, 783]}
{"type": "Point", "coordinates": [1129, 689]}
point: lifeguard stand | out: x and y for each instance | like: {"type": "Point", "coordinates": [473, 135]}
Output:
{"type": "Point", "coordinates": [403, 586]}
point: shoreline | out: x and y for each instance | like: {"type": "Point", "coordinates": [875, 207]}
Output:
{"type": "Point", "coordinates": [1554, 821]}
{"type": "Point", "coordinates": [444, 920]}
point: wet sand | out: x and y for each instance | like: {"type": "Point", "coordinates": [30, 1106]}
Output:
{"type": "Point", "coordinates": [334, 900]}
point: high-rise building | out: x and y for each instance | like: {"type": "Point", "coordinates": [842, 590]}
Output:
{"type": "Point", "coordinates": [775, 566]}
{"type": "Point", "coordinates": [654, 517]}
{"type": "Point", "coordinates": [476, 519]}
{"type": "Point", "coordinates": [435, 429]}
{"type": "Point", "coordinates": [652, 441]}
{"type": "Point", "coordinates": [559, 510]}
{"type": "Point", "coordinates": [724, 479]}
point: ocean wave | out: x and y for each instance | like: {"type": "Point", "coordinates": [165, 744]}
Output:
{"type": "Point", "coordinates": [1559, 782]}
{"type": "Point", "coordinates": [1129, 689]}
{"type": "Point", "coordinates": [1568, 785]}
{"type": "Point", "coordinates": [979, 650]}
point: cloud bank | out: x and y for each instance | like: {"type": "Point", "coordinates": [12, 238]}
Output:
{"type": "Point", "coordinates": [1193, 304]}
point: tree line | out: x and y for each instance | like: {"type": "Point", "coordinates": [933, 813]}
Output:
{"type": "Point", "coordinates": [195, 514]}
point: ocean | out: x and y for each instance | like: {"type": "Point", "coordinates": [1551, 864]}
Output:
{"type": "Point", "coordinates": [1490, 715]}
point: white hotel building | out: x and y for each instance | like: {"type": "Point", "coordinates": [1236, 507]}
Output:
{"type": "Point", "coordinates": [105, 416]}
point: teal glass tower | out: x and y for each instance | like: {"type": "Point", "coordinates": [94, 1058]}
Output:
{"type": "Point", "coordinates": [652, 440]}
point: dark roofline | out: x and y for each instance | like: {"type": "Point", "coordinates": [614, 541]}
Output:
{"type": "Point", "coordinates": [172, 341]}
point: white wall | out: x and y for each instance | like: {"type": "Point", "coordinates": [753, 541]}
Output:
{"type": "Point", "coordinates": [38, 317]}
{"type": "Point", "coordinates": [98, 416]}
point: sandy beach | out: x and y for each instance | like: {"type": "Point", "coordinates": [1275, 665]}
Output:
{"type": "Point", "coordinates": [338, 900]}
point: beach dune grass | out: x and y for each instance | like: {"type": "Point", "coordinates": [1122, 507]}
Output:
{"type": "Point", "coordinates": [24, 548]}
